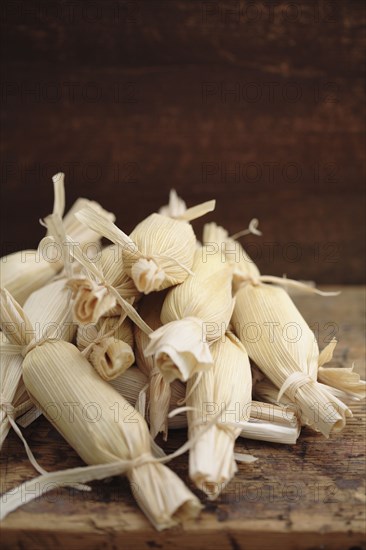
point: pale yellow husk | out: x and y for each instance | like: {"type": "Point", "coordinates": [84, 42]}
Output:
{"type": "Point", "coordinates": [117, 276]}
{"type": "Point", "coordinates": [267, 422]}
{"type": "Point", "coordinates": [11, 379]}
{"type": "Point", "coordinates": [132, 382]}
{"type": "Point", "coordinates": [286, 351]}
{"type": "Point", "coordinates": [104, 290]}
{"type": "Point", "coordinates": [108, 346]}
{"type": "Point", "coordinates": [158, 253]}
{"type": "Point", "coordinates": [91, 300]}
{"type": "Point", "coordinates": [343, 379]}
{"type": "Point", "coordinates": [194, 314]}
{"type": "Point", "coordinates": [56, 374]}
{"type": "Point", "coordinates": [226, 387]}
{"type": "Point", "coordinates": [25, 271]}
{"type": "Point", "coordinates": [159, 389]}
{"type": "Point", "coordinates": [216, 241]}
{"type": "Point", "coordinates": [342, 382]}
{"type": "Point", "coordinates": [176, 206]}
{"type": "Point", "coordinates": [47, 307]}
{"type": "Point", "coordinates": [49, 312]}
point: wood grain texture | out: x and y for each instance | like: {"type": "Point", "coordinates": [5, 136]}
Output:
{"type": "Point", "coordinates": [257, 104]}
{"type": "Point", "coordinates": [310, 495]}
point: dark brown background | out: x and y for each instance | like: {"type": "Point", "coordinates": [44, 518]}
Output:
{"type": "Point", "coordinates": [132, 98]}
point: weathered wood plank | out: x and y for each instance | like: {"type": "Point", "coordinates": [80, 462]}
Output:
{"type": "Point", "coordinates": [310, 495]}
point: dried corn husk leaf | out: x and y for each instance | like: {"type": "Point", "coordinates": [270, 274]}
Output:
{"type": "Point", "coordinates": [267, 422]}
{"type": "Point", "coordinates": [93, 296]}
{"type": "Point", "coordinates": [176, 206]}
{"type": "Point", "coordinates": [10, 378]}
{"type": "Point", "coordinates": [158, 253]}
{"type": "Point", "coordinates": [117, 277]}
{"type": "Point", "coordinates": [217, 241]}
{"type": "Point", "coordinates": [25, 271]}
{"type": "Point", "coordinates": [91, 300]}
{"type": "Point", "coordinates": [227, 385]}
{"type": "Point", "coordinates": [344, 379]}
{"type": "Point", "coordinates": [108, 346]}
{"type": "Point", "coordinates": [133, 381]}
{"type": "Point", "coordinates": [287, 353]}
{"type": "Point", "coordinates": [194, 314]}
{"type": "Point", "coordinates": [55, 373]}
{"type": "Point", "coordinates": [159, 389]}
{"type": "Point", "coordinates": [48, 309]}
{"type": "Point", "coordinates": [341, 382]}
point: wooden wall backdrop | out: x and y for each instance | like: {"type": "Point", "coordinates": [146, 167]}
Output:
{"type": "Point", "coordinates": [257, 104]}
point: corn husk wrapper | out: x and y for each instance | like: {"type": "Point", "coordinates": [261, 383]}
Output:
{"type": "Point", "coordinates": [93, 298]}
{"type": "Point", "coordinates": [267, 422]}
{"type": "Point", "coordinates": [56, 374]}
{"type": "Point", "coordinates": [93, 295]}
{"type": "Point", "coordinates": [47, 309]}
{"type": "Point", "coordinates": [108, 346]}
{"type": "Point", "coordinates": [227, 385]}
{"type": "Point", "coordinates": [342, 382]}
{"type": "Point", "coordinates": [159, 252]}
{"type": "Point", "coordinates": [216, 240]}
{"type": "Point", "coordinates": [25, 411]}
{"type": "Point", "coordinates": [344, 379]}
{"type": "Point", "coordinates": [175, 208]}
{"type": "Point", "coordinates": [194, 314]}
{"type": "Point", "coordinates": [25, 271]}
{"type": "Point", "coordinates": [158, 388]}
{"type": "Point", "coordinates": [273, 423]}
{"type": "Point", "coordinates": [287, 353]}
{"type": "Point", "coordinates": [11, 378]}
{"type": "Point", "coordinates": [132, 382]}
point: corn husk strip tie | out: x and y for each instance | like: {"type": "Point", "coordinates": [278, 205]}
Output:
{"type": "Point", "coordinates": [30, 490]}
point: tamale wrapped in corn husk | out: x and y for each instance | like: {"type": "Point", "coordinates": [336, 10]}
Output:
{"type": "Point", "coordinates": [25, 271]}
{"type": "Point", "coordinates": [108, 345]}
{"type": "Point", "coordinates": [342, 382]}
{"type": "Point", "coordinates": [274, 423]}
{"type": "Point", "coordinates": [227, 385]}
{"type": "Point", "coordinates": [285, 350]}
{"type": "Point", "coordinates": [343, 379]}
{"type": "Point", "coordinates": [159, 252]}
{"type": "Point", "coordinates": [194, 314]}
{"type": "Point", "coordinates": [94, 296]}
{"type": "Point", "coordinates": [159, 389]}
{"type": "Point", "coordinates": [267, 422]}
{"type": "Point", "coordinates": [48, 309]}
{"type": "Point", "coordinates": [56, 374]}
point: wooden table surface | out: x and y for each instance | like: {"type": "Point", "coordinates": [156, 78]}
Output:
{"type": "Point", "coordinates": [310, 495]}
